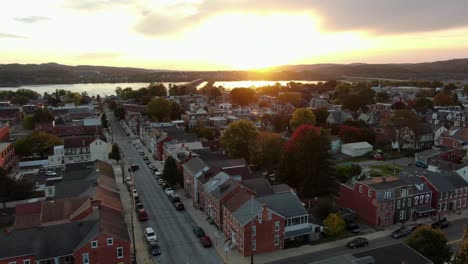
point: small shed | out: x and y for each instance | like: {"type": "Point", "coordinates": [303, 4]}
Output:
{"type": "Point", "coordinates": [356, 149]}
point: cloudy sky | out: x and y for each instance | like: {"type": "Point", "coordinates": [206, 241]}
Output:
{"type": "Point", "coordinates": [231, 34]}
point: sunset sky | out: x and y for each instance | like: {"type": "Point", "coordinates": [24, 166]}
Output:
{"type": "Point", "coordinates": [231, 34]}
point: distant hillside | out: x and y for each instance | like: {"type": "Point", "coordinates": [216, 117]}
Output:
{"type": "Point", "coordinates": [456, 69]}
{"type": "Point", "coordinates": [53, 73]}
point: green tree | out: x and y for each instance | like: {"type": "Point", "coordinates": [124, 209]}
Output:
{"type": "Point", "coordinates": [423, 102]}
{"type": "Point", "coordinates": [115, 153]}
{"type": "Point", "coordinates": [119, 112]}
{"type": "Point", "coordinates": [342, 91]}
{"type": "Point", "coordinates": [345, 172]}
{"type": "Point", "coordinates": [37, 143]}
{"type": "Point", "coordinates": [382, 97]}
{"type": "Point", "coordinates": [430, 243]}
{"type": "Point", "coordinates": [267, 150]}
{"type": "Point", "coordinates": [302, 116]}
{"type": "Point", "coordinates": [157, 89]}
{"type": "Point", "coordinates": [239, 139]}
{"type": "Point", "coordinates": [170, 171]}
{"type": "Point", "coordinates": [104, 122]}
{"type": "Point", "coordinates": [461, 256]}
{"type": "Point", "coordinates": [321, 115]}
{"type": "Point", "coordinates": [334, 224]}
{"type": "Point", "coordinates": [42, 116]}
{"type": "Point", "coordinates": [159, 108]}
{"type": "Point", "coordinates": [28, 122]}
{"type": "Point", "coordinates": [306, 163]}
{"type": "Point", "coordinates": [204, 132]}
{"type": "Point", "coordinates": [243, 96]}
{"type": "Point", "coordinates": [401, 121]}
{"type": "Point", "coordinates": [176, 111]}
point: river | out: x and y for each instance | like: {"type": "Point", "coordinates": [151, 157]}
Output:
{"type": "Point", "coordinates": [104, 89]}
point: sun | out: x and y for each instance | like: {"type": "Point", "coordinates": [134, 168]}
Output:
{"type": "Point", "coordinates": [255, 41]}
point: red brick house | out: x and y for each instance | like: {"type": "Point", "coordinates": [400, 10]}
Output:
{"type": "Point", "coordinates": [11, 114]}
{"type": "Point", "coordinates": [455, 139]}
{"type": "Point", "coordinates": [4, 132]}
{"type": "Point", "coordinates": [265, 223]}
{"type": "Point", "coordinates": [102, 239]}
{"type": "Point", "coordinates": [449, 191]}
{"type": "Point", "coordinates": [192, 170]}
{"type": "Point", "coordinates": [380, 201]}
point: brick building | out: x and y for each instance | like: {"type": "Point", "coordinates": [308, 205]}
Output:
{"type": "Point", "coordinates": [8, 158]}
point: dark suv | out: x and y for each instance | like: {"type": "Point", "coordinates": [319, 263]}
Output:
{"type": "Point", "coordinates": [401, 232]}
{"type": "Point", "coordinates": [358, 242]}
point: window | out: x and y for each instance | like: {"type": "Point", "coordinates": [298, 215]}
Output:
{"type": "Point", "coordinates": [444, 207]}
{"type": "Point", "coordinates": [403, 203]}
{"type": "Point", "coordinates": [439, 207]}
{"type": "Point", "coordinates": [450, 194]}
{"type": "Point", "coordinates": [387, 218]}
{"type": "Point", "coordinates": [398, 204]}
{"type": "Point", "coordinates": [464, 201]}
{"type": "Point", "coordinates": [26, 261]}
{"type": "Point", "coordinates": [441, 196]}
{"type": "Point", "coordinates": [120, 252]}
{"type": "Point", "coordinates": [427, 198]}
{"type": "Point", "coordinates": [369, 193]}
{"type": "Point", "coordinates": [409, 201]}
{"type": "Point", "coordinates": [388, 195]}
{"type": "Point", "coordinates": [276, 240]}
{"type": "Point", "coordinates": [421, 199]}
{"type": "Point", "coordinates": [110, 241]}
{"type": "Point", "coordinates": [254, 230]}
{"type": "Point", "coordinates": [459, 203]}
{"type": "Point", "coordinates": [403, 192]}
{"type": "Point", "coordinates": [466, 190]}
{"type": "Point", "coordinates": [277, 226]}
{"type": "Point", "coordinates": [94, 244]}
{"type": "Point", "coordinates": [455, 193]}
{"type": "Point", "coordinates": [416, 199]}
{"type": "Point", "coordinates": [254, 245]}
{"type": "Point", "coordinates": [269, 215]}
{"type": "Point", "coordinates": [402, 214]}
{"type": "Point", "coordinates": [85, 258]}
{"type": "Point", "coordinates": [360, 188]}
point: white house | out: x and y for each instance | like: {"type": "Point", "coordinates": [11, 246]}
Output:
{"type": "Point", "coordinates": [356, 149]}
{"type": "Point", "coordinates": [80, 149]}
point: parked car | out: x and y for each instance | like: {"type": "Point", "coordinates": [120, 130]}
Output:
{"type": "Point", "coordinates": [157, 174]}
{"type": "Point", "coordinates": [151, 165]}
{"type": "Point", "coordinates": [420, 164]}
{"type": "Point", "coordinates": [353, 228]}
{"type": "Point", "coordinates": [134, 167]}
{"type": "Point", "coordinates": [155, 169]}
{"type": "Point", "coordinates": [51, 173]}
{"type": "Point", "coordinates": [358, 242]}
{"type": "Point", "coordinates": [154, 248]}
{"type": "Point", "coordinates": [142, 215]}
{"type": "Point", "coordinates": [147, 162]}
{"type": "Point", "coordinates": [139, 206]}
{"type": "Point", "coordinates": [141, 152]}
{"type": "Point", "coordinates": [401, 232]}
{"type": "Point", "coordinates": [145, 158]}
{"type": "Point", "coordinates": [206, 241]}
{"type": "Point", "coordinates": [442, 223]}
{"type": "Point", "coordinates": [150, 235]}
{"type": "Point", "coordinates": [198, 231]}
{"type": "Point", "coordinates": [174, 198]}
{"type": "Point", "coordinates": [169, 191]}
{"type": "Point", "coordinates": [161, 181]}
{"type": "Point", "coordinates": [179, 206]}
{"type": "Point", "coordinates": [164, 185]}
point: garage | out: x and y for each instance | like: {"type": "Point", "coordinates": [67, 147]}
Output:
{"type": "Point", "coordinates": [356, 149]}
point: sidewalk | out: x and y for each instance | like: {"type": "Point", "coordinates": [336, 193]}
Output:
{"type": "Point", "coordinates": [142, 255]}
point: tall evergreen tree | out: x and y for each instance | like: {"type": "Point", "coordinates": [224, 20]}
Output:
{"type": "Point", "coordinates": [306, 163]}
{"type": "Point", "coordinates": [115, 153]}
{"type": "Point", "coordinates": [170, 171]}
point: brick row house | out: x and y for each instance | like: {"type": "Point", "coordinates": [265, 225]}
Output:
{"type": "Point", "coordinates": [457, 141]}
{"type": "Point", "coordinates": [386, 201]}
{"type": "Point", "coordinates": [101, 238]}
{"type": "Point", "coordinates": [8, 160]}
{"type": "Point", "coordinates": [261, 224]}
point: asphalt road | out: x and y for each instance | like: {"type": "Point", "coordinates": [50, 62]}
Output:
{"type": "Point", "coordinates": [174, 228]}
{"type": "Point", "coordinates": [453, 233]}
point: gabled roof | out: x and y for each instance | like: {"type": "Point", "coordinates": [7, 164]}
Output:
{"type": "Point", "coordinates": [247, 211]}
{"type": "Point", "coordinates": [60, 209]}
{"type": "Point", "coordinates": [214, 182]}
{"type": "Point", "coordinates": [28, 215]}
{"type": "Point", "coordinates": [260, 186]}
{"type": "Point", "coordinates": [445, 182]}
{"type": "Point", "coordinates": [46, 242]}
{"type": "Point", "coordinates": [224, 188]}
{"type": "Point", "coordinates": [385, 183]}
{"type": "Point", "coordinates": [285, 204]}
{"type": "Point", "coordinates": [237, 201]}
{"type": "Point", "coordinates": [78, 141]}
{"type": "Point", "coordinates": [194, 165]}
{"type": "Point", "coordinates": [109, 198]}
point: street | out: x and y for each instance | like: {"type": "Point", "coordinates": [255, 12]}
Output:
{"type": "Point", "coordinates": [453, 233]}
{"type": "Point", "coordinates": [173, 228]}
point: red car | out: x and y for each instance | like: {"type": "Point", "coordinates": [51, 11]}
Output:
{"type": "Point", "coordinates": [206, 241]}
{"type": "Point", "coordinates": [142, 215]}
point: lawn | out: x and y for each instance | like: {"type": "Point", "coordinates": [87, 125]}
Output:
{"type": "Point", "coordinates": [387, 170]}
